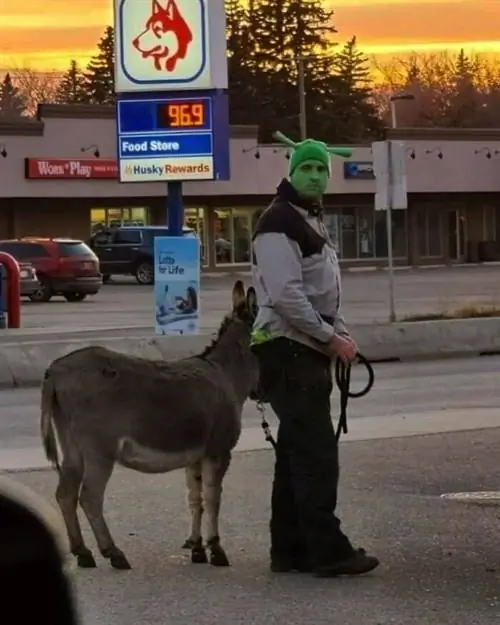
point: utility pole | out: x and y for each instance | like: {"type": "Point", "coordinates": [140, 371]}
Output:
{"type": "Point", "coordinates": [302, 98]}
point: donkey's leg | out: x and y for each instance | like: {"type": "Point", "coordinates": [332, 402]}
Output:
{"type": "Point", "coordinates": [213, 472]}
{"type": "Point", "coordinates": [96, 475]}
{"type": "Point", "coordinates": [70, 479]}
{"type": "Point", "coordinates": [195, 503]}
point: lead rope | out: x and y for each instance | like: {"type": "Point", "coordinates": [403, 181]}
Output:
{"type": "Point", "coordinates": [265, 425]}
{"type": "Point", "coordinates": [343, 381]}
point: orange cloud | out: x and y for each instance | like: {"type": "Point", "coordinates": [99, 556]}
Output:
{"type": "Point", "coordinates": [47, 34]}
{"type": "Point", "coordinates": [407, 22]}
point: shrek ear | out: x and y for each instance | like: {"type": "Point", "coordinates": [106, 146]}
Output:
{"type": "Point", "coordinates": [343, 152]}
{"type": "Point", "coordinates": [279, 136]}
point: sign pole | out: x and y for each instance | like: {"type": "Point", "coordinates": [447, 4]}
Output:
{"type": "Point", "coordinates": [389, 167]}
{"type": "Point", "coordinates": [172, 127]}
{"type": "Point", "coordinates": [175, 209]}
{"type": "Point", "coordinates": [388, 215]}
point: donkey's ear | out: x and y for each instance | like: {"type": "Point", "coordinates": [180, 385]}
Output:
{"type": "Point", "coordinates": [239, 297]}
{"type": "Point", "coordinates": [252, 301]}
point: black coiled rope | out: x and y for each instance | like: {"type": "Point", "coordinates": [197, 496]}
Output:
{"type": "Point", "coordinates": [343, 382]}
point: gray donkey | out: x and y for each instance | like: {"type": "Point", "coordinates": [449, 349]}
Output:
{"type": "Point", "coordinates": [100, 407]}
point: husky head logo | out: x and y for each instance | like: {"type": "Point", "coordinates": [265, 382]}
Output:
{"type": "Point", "coordinates": [166, 36]}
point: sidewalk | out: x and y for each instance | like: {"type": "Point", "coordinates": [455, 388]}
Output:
{"type": "Point", "coordinates": [440, 559]}
{"type": "Point", "coordinates": [360, 429]}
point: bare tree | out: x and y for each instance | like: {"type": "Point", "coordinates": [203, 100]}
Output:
{"type": "Point", "coordinates": [35, 87]}
{"type": "Point", "coordinates": [449, 89]}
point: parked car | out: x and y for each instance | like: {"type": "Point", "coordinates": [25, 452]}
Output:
{"type": "Point", "coordinates": [66, 267]}
{"type": "Point", "coordinates": [29, 279]}
{"type": "Point", "coordinates": [129, 250]}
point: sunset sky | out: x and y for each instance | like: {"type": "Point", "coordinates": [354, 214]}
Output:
{"type": "Point", "coordinates": [46, 34]}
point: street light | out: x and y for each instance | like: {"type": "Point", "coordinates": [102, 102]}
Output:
{"type": "Point", "coordinates": [396, 98]}
{"type": "Point", "coordinates": [302, 91]}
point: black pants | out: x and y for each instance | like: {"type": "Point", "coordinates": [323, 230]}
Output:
{"type": "Point", "coordinates": [297, 382]}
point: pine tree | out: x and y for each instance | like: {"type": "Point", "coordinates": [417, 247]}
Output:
{"type": "Point", "coordinates": [356, 114]}
{"type": "Point", "coordinates": [245, 77]}
{"type": "Point", "coordinates": [73, 86]}
{"type": "Point", "coordinates": [100, 74]}
{"type": "Point", "coordinates": [464, 104]}
{"type": "Point", "coordinates": [12, 102]}
{"type": "Point", "coordinates": [352, 66]}
{"type": "Point", "coordinates": [285, 31]}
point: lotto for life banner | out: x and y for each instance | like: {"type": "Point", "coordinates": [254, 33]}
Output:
{"type": "Point", "coordinates": [177, 285]}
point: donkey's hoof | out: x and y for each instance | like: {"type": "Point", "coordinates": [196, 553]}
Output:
{"type": "Point", "coordinates": [86, 560]}
{"type": "Point", "coordinates": [218, 557]}
{"type": "Point", "coordinates": [120, 562]}
{"type": "Point", "coordinates": [198, 555]}
{"type": "Point", "coordinates": [189, 544]}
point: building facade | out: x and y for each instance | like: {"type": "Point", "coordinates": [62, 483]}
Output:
{"type": "Point", "coordinates": [58, 177]}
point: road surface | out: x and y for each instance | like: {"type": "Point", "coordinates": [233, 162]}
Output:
{"type": "Point", "coordinates": [406, 397]}
{"type": "Point", "coordinates": [365, 298]}
{"type": "Point", "coordinates": [440, 559]}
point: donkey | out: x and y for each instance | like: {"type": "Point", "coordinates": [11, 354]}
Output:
{"type": "Point", "coordinates": [100, 407]}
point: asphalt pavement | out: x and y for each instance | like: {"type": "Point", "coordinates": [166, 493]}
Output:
{"type": "Point", "coordinates": [440, 559]}
{"type": "Point", "coordinates": [407, 398]}
{"type": "Point", "coordinates": [125, 304]}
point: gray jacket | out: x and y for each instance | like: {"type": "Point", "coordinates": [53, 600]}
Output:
{"type": "Point", "coordinates": [296, 276]}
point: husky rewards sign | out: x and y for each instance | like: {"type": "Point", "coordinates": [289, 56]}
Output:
{"type": "Point", "coordinates": [166, 45]}
{"type": "Point", "coordinates": [177, 284]}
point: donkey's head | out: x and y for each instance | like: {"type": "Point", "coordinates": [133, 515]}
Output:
{"type": "Point", "coordinates": [244, 305]}
{"type": "Point", "coordinates": [231, 348]}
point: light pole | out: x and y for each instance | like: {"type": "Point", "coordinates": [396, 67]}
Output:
{"type": "Point", "coordinates": [302, 98]}
{"type": "Point", "coordinates": [302, 91]}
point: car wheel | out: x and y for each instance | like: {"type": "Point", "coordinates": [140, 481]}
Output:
{"type": "Point", "coordinates": [43, 294]}
{"type": "Point", "coordinates": [74, 297]}
{"type": "Point", "coordinates": [106, 277]}
{"type": "Point", "coordinates": [144, 273]}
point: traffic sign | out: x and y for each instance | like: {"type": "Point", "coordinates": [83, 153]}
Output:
{"type": "Point", "coordinates": [165, 45]}
{"type": "Point", "coordinates": [173, 138]}
{"type": "Point", "coordinates": [389, 165]}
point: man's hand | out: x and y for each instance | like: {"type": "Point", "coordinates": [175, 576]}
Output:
{"type": "Point", "coordinates": [344, 347]}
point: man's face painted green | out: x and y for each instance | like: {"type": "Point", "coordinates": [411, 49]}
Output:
{"type": "Point", "coordinates": [310, 179]}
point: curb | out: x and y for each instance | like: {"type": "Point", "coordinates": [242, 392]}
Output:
{"type": "Point", "coordinates": [23, 362]}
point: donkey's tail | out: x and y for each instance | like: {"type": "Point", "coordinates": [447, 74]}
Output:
{"type": "Point", "coordinates": [48, 407]}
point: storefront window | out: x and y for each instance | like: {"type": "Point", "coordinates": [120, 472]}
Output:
{"type": "Point", "coordinates": [194, 218]}
{"type": "Point", "coordinates": [399, 237]}
{"type": "Point", "coordinates": [362, 233]}
{"type": "Point", "coordinates": [112, 216]}
{"type": "Point", "coordinates": [233, 235]}
{"type": "Point", "coordinates": [429, 232]}
{"type": "Point", "coordinates": [366, 232]}
{"type": "Point", "coordinates": [489, 223]}
{"type": "Point", "coordinates": [349, 248]}
{"type": "Point", "coordinates": [332, 225]}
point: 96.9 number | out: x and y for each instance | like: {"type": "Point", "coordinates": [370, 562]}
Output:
{"type": "Point", "coordinates": [188, 114]}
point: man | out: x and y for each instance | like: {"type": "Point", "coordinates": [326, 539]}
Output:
{"type": "Point", "coordinates": [297, 332]}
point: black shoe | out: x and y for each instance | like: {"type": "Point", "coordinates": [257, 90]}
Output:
{"type": "Point", "coordinates": [357, 564]}
{"type": "Point", "coordinates": [287, 565]}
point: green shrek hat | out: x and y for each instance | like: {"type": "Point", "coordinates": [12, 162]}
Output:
{"type": "Point", "coordinates": [310, 150]}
